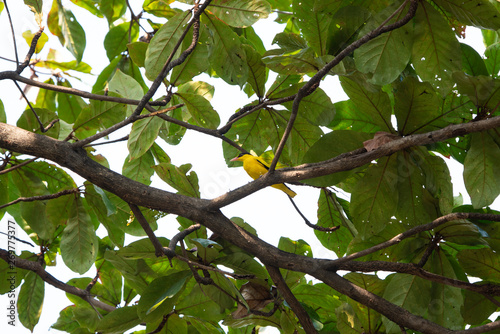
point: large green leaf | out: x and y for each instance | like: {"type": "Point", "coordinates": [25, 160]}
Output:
{"type": "Point", "coordinates": [195, 63]}
{"type": "Point", "coordinates": [257, 75]}
{"type": "Point", "coordinates": [472, 63]}
{"type": "Point", "coordinates": [482, 90]}
{"type": "Point", "coordinates": [119, 321]}
{"type": "Point", "coordinates": [240, 13]}
{"type": "Point", "coordinates": [90, 5]}
{"type": "Point", "coordinates": [163, 43]}
{"type": "Point", "coordinates": [36, 7]}
{"type": "Point", "coordinates": [69, 106]}
{"type": "Point", "coordinates": [200, 109]}
{"type": "Point", "coordinates": [492, 60]}
{"type": "Point", "coordinates": [374, 198]}
{"type": "Point", "coordinates": [378, 56]}
{"type": "Point", "coordinates": [409, 292]}
{"type": "Point", "coordinates": [227, 56]}
{"type": "Point", "coordinates": [317, 108]}
{"type": "Point", "coordinates": [178, 178]}
{"type": "Point", "coordinates": [160, 296]}
{"type": "Point", "coordinates": [313, 25]}
{"type": "Point", "coordinates": [64, 25]}
{"type": "Point", "coordinates": [160, 8]}
{"type": "Point", "coordinates": [483, 263]}
{"type": "Point", "coordinates": [480, 13]}
{"type": "Point", "coordinates": [436, 52]}
{"type": "Point", "coordinates": [118, 37]}
{"type": "Point", "coordinates": [112, 9]}
{"type": "Point", "coordinates": [30, 301]}
{"type": "Point", "coordinates": [79, 242]}
{"type": "Point", "coordinates": [330, 214]}
{"type": "Point", "coordinates": [477, 308]}
{"type": "Point", "coordinates": [139, 169]}
{"type": "Point", "coordinates": [481, 177]}
{"type": "Point", "coordinates": [299, 247]}
{"type": "Point", "coordinates": [29, 121]}
{"type": "Point", "coordinates": [447, 301]}
{"type": "Point", "coordinates": [373, 108]}
{"type": "Point", "coordinates": [142, 136]}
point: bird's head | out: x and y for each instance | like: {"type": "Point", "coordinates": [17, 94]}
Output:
{"type": "Point", "coordinates": [240, 157]}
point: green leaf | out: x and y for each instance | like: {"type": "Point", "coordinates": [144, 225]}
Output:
{"type": "Point", "coordinates": [3, 116]}
{"type": "Point", "coordinates": [409, 292]}
{"type": "Point", "coordinates": [436, 51]}
{"type": "Point", "coordinates": [291, 62]}
{"type": "Point", "coordinates": [483, 263]}
{"type": "Point", "coordinates": [472, 63]}
{"type": "Point", "coordinates": [139, 169]}
{"type": "Point", "coordinates": [137, 51]}
{"type": "Point", "coordinates": [65, 66]}
{"type": "Point", "coordinates": [243, 264]}
{"type": "Point", "coordinates": [69, 31]}
{"type": "Point", "coordinates": [36, 8]}
{"type": "Point", "coordinates": [299, 247]}
{"type": "Point", "coordinates": [227, 56]}
{"type": "Point", "coordinates": [125, 85]}
{"type": "Point", "coordinates": [477, 308]}
{"type": "Point", "coordinates": [120, 320]}
{"type": "Point", "coordinates": [479, 13]}
{"type": "Point", "coordinates": [492, 60]}
{"type": "Point", "coordinates": [330, 214]}
{"type": "Point", "coordinates": [200, 109]}
{"type": "Point", "coordinates": [481, 178]}
{"type": "Point", "coordinates": [142, 136]}
{"type": "Point", "coordinates": [482, 90]}
{"type": "Point", "coordinates": [317, 108]}
{"type": "Point", "coordinates": [90, 5]}
{"type": "Point", "coordinates": [160, 296]}
{"type": "Point", "coordinates": [372, 108]}
{"type": "Point", "coordinates": [447, 301]}
{"type": "Point", "coordinates": [178, 178]}
{"type": "Point", "coordinates": [374, 198]}
{"type": "Point", "coordinates": [69, 106]}
{"type": "Point", "coordinates": [160, 8]}
{"type": "Point", "coordinates": [28, 36]}
{"type": "Point", "coordinates": [328, 147]}
{"type": "Point", "coordinates": [163, 43]}
{"type": "Point", "coordinates": [256, 71]}
{"type": "Point", "coordinates": [118, 37]}
{"type": "Point", "coordinates": [79, 242]}
{"type": "Point", "coordinates": [240, 13]}
{"type": "Point", "coordinates": [378, 56]}
{"type": "Point", "coordinates": [313, 25]}
{"type": "Point", "coordinates": [99, 116]}
{"type": "Point", "coordinates": [30, 300]}
{"type": "Point", "coordinates": [113, 9]}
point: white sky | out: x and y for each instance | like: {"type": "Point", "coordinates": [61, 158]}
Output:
{"type": "Point", "coordinates": [268, 210]}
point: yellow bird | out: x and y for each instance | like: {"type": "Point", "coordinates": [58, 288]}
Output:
{"type": "Point", "coordinates": [256, 167]}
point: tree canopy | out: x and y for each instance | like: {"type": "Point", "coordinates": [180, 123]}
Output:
{"type": "Point", "coordinates": [410, 257]}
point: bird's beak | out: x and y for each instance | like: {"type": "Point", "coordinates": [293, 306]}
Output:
{"type": "Point", "coordinates": [234, 159]}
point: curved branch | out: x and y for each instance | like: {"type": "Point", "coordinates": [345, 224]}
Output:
{"type": "Point", "coordinates": [41, 198]}
{"type": "Point", "coordinates": [46, 277]}
{"type": "Point", "coordinates": [309, 87]}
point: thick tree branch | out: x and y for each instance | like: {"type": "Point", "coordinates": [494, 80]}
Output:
{"type": "Point", "coordinates": [299, 311]}
{"type": "Point", "coordinates": [37, 268]}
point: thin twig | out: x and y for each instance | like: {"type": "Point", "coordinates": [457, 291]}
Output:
{"type": "Point", "coordinates": [38, 269]}
{"type": "Point", "coordinates": [42, 197]}
{"type": "Point", "coordinates": [17, 239]}
{"type": "Point", "coordinates": [170, 250]}
{"type": "Point", "coordinates": [308, 223]}
{"type": "Point", "coordinates": [12, 31]}
{"type": "Point", "coordinates": [415, 230]}
{"type": "Point", "coordinates": [24, 163]}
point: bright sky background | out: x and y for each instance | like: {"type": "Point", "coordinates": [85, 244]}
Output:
{"type": "Point", "coordinates": [269, 210]}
